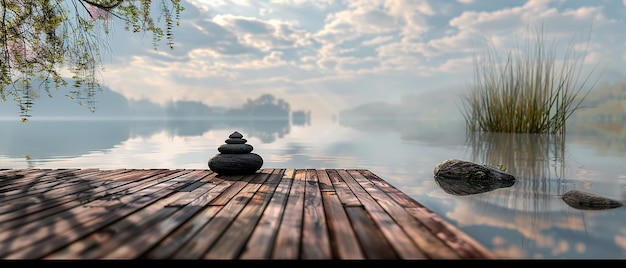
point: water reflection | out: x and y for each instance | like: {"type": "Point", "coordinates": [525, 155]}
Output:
{"type": "Point", "coordinates": [605, 137]}
{"type": "Point", "coordinates": [430, 132]}
{"type": "Point", "coordinates": [49, 139]}
{"type": "Point", "coordinates": [455, 186]}
{"type": "Point", "coordinates": [536, 161]}
{"type": "Point", "coordinates": [525, 220]}
{"type": "Point", "coordinates": [267, 130]}
{"type": "Point", "coordinates": [534, 207]}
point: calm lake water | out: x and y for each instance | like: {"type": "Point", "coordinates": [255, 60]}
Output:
{"type": "Point", "coordinates": [527, 220]}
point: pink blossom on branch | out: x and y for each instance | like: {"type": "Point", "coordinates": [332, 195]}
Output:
{"type": "Point", "coordinates": [19, 52]}
{"type": "Point", "coordinates": [96, 13]}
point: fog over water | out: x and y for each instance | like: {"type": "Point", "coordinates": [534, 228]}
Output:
{"type": "Point", "coordinates": [365, 84]}
{"type": "Point", "coordinates": [525, 220]}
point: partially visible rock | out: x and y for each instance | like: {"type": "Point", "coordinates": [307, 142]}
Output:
{"type": "Point", "coordinates": [235, 157]}
{"type": "Point", "coordinates": [460, 177]}
{"type": "Point", "coordinates": [589, 201]}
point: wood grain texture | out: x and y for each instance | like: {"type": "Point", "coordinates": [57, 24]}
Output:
{"type": "Point", "coordinates": [278, 213]}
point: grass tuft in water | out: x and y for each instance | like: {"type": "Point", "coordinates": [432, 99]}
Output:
{"type": "Point", "coordinates": [527, 91]}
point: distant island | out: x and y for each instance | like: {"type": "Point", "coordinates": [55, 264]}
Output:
{"type": "Point", "coordinates": [110, 104]}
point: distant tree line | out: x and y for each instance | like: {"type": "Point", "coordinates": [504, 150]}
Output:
{"type": "Point", "coordinates": [264, 106]}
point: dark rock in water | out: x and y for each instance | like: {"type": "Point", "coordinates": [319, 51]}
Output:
{"type": "Point", "coordinates": [589, 201]}
{"type": "Point", "coordinates": [454, 168]}
{"type": "Point", "coordinates": [468, 187]}
{"type": "Point", "coordinates": [464, 178]}
{"type": "Point", "coordinates": [235, 157]}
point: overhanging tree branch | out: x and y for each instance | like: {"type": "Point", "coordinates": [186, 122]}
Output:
{"type": "Point", "coordinates": [42, 37]}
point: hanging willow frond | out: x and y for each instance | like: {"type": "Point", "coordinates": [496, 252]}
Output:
{"type": "Point", "coordinates": [40, 38]}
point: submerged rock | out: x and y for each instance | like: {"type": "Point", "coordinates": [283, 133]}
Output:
{"type": "Point", "coordinates": [460, 177]}
{"type": "Point", "coordinates": [589, 201]}
{"type": "Point", "coordinates": [235, 157]}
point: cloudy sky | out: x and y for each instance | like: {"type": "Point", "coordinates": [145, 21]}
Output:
{"type": "Point", "coordinates": [324, 55]}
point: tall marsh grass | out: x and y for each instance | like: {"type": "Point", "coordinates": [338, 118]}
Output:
{"type": "Point", "coordinates": [528, 91]}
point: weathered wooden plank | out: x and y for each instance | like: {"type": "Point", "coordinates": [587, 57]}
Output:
{"type": "Point", "coordinates": [315, 240]}
{"type": "Point", "coordinates": [233, 240]}
{"type": "Point", "coordinates": [240, 181]}
{"type": "Point", "coordinates": [374, 244]}
{"type": "Point", "coordinates": [43, 223]}
{"type": "Point", "coordinates": [148, 237]}
{"type": "Point", "coordinates": [106, 239]}
{"type": "Point", "coordinates": [54, 225]}
{"type": "Point", "coordinates": [214, 228]}
{"type": "Point", "coordinates": [25, 211]}
{"type": "Point", "coordinates": [10, 176]}
{"type": "Point", "coordinates": [464, 245]}
{"type": "Point", "coordinates": [275, 178]}
{"type": "Point", "coordinates": [64, 179]}
{"type": "Point", "coordinates": [262, 239]}
{"type": "Point", "coordinates": [28, 176]}
{"type": "Point", "coordinates": [343, 240]}
{"type": "Point", "coordinates": [20, 177]}
{"type": "Point", "coordinates": [344, 192]}
{"type": "Point", "coordinates": [142, 181]}
{"type": "Point", "coordinates": [192, 223]}
{"type": "Point", "coordinates": [35, 194]}
{"type": "Point", "coordinates": [287, 244]}
{"type": "Point", "coordinates": [324, 181]}
{"type": "Point", "coordinates": [82, 220]}
{"type": "Point", "coordinates": [31, 186]}
{"type": "Point", "coordinates": [460, 242]}
{"type": "Point", "coordinates": [132, 176]}
{"type": "Point", "coordinates": [42, 193]}
{"type": "Point", "coordinates": [37, 176]}
{"type": "Point", "coordinates": [124, 235]}
{"type": "Point", "coordinates": [428, 243]}
{"type": "Point", "coordinates": [172, 214]}
{"type": "Point", "coordinates": [207, 184]}
{"type": "Point", "coordinates": [399, 240]}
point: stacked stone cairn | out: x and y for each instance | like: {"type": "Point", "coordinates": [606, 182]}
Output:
{"type": "Point", "coordinates": [235, 157]}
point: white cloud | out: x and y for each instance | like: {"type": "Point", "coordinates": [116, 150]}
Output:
{"type": "Point", "coordinates": [413, 13]}
{"type": "Point", "coordinates": [457, 65]}
{"type": "Point", "coordinates": [265, 11]}
{"type": "Point", "coordinates": [343, 48]}
{"type": "Point", "coordinates": [377, 40]}
{"type": "Point", "coordinates": [321, 4]}
{"type": "Point", "coordinates": [265, 35]}
{"type": "Point", "coordinates": [459, 43]}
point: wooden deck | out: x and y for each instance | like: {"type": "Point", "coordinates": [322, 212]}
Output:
{"type": "Point", "coordinates": [197, 214]}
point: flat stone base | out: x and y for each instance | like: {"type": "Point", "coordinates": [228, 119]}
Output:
{"type": "Point", "coordinates": [233, 164]}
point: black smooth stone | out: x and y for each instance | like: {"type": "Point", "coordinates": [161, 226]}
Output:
{"type": "Point", "coordinates": [236, 141]}
{"type": "Point", "coordinates": [236, 135]}
{"type": "Point", "coordinates": [235, 148]}
{"type": "Point", "coordinates": [233, 164]}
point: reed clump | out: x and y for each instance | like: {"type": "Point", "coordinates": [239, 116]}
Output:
{"type": "Point", "coordinates": [527, 91]}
